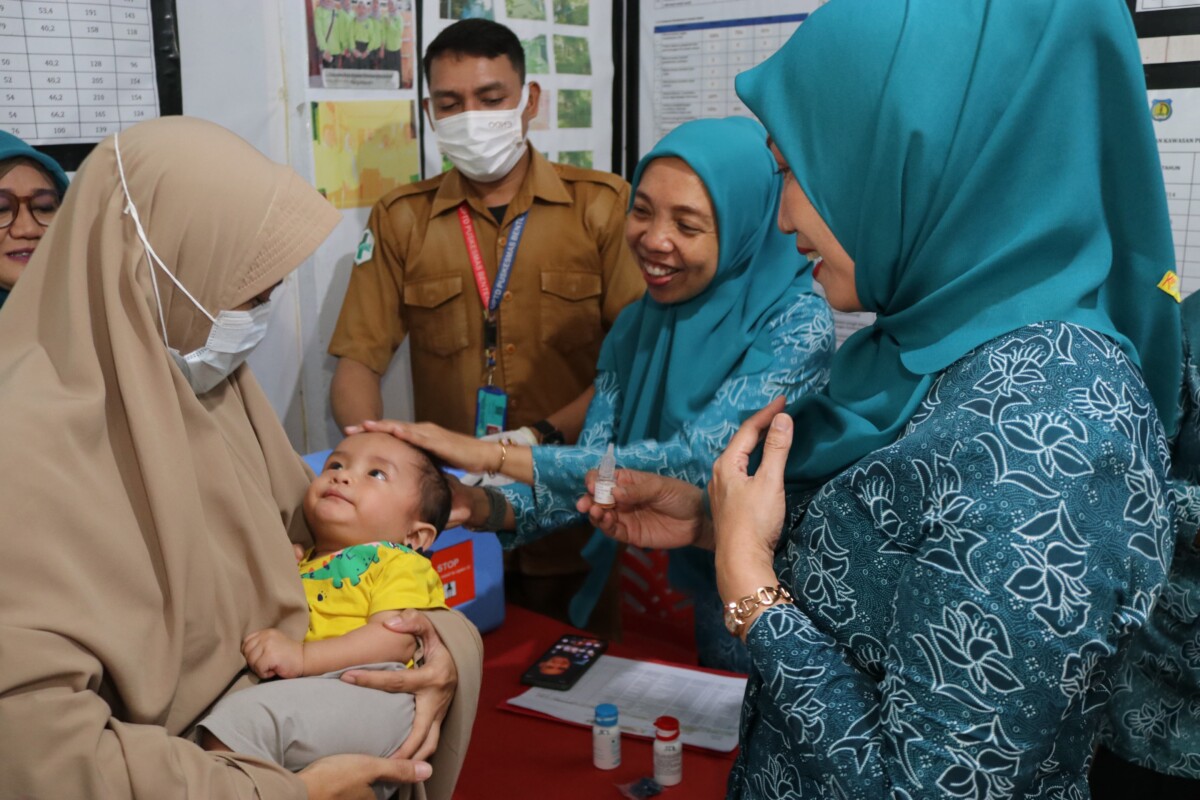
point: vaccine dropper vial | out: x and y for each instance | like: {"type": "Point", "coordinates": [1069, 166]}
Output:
{"type": "Point", "coordinates": [606, 478]}
{"type": "Point", "coordinates": [668, 751]}
{"type": "Point", "coordinates": [606, 737]}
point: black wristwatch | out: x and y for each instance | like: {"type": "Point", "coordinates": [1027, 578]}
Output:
{"type": "Point", "coordinates": [549, 433]}
{"type": "Point", "coordinates": [497, 509]}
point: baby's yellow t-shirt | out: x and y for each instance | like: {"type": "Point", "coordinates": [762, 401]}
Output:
{"type": "Point", "coordinates": [344, 589]}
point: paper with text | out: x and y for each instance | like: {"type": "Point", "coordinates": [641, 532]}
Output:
{"type": "Point", "coordinates": [707, 706]}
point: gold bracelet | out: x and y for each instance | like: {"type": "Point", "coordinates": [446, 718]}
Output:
{"type": "Point", "coordinates": [737, 613]}
{"type": "Point", "coordinates": [503, 457]}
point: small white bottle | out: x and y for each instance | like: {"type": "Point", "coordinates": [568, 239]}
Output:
{"type": "Point", "coordinates": [606, 737]}
{"type": "Point", "coordinates": [606, 479]}
{"type": "Point", "coordinates": [668, 751]}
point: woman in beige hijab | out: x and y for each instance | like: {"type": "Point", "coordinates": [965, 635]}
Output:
{"type": "Point", "coordinates": [147, 526]}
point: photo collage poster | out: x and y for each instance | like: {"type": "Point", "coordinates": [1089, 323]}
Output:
{"type": "Point", "coordinates": [362, 73]}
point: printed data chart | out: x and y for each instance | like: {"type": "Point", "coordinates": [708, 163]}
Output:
{"type": "Point", "coordinates": [1176, 115]}
{"type": "Point", "coordinates": [74, 71]}
{"type": "Point", "coordinates": [716, 51]}
{"type": "Point", "coordinates": [1162, 5]}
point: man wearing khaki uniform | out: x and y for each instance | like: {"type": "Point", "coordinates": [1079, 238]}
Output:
{"type": "Point", "coordinates": [570, 277]}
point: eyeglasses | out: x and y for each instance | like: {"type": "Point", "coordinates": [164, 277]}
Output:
{"type": "Point", "coordinates": [42, 205]}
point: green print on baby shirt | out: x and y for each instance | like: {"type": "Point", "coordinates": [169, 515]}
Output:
{"type": "Point", "coordinates": [350, 563]}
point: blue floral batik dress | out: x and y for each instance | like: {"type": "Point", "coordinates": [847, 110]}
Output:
{"type": "Point", "coordinates": [964, 596]}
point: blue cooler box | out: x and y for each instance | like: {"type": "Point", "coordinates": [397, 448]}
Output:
{"type": "Point", "coordinates": [470, 564]}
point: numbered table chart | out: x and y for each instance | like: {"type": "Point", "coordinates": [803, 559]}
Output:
{"type": "Point", "coordinates": [75, 71]}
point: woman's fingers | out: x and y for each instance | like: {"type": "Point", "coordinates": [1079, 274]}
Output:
{"type": "Point", "coordinates": [775, 449]}
{"type": "Point", "coordinates": [349, 777]}
{"type": "Point", "coordinates": [395, 770]}
{"type": "Point", "coordinates": [737, 452]}
{"type": "Point", "coordinates": [401, 430]}
{"type": "Point", "coordinates": [422, 740]}
{"type": "Point", "coordinates": [385, 680]}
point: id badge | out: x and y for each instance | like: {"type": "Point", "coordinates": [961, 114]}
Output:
{"type": "Point", "coordinates": [491, 409]}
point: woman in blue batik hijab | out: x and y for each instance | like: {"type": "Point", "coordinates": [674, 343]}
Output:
{"type": "Point", "coordinates": [728, 323]}
{"type": "Point", "coordinates": [945, 616]}
{"type": "Point", "coordinates": [32, 185]}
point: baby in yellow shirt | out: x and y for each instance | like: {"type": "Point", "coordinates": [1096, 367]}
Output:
{"type": "Point", "coordinates": [377, 501]}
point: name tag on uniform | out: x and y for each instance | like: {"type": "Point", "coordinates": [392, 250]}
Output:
{"type": "Point", "coordinates": [491, 410]}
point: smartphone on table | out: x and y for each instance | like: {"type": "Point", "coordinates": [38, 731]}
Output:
{"type": "Point", "coordinates": [565, 662]}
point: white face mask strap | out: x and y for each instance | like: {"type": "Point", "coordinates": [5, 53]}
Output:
{"type": "Point", "coordinates": [151, 256]}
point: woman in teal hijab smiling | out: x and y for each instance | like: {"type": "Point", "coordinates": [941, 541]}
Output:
{"type": "Point", "coordinates": [32, 186]}
{"type": "Point", "coordinates": [729, 321]}
{"type": "Point", "coordinates": [944, 616]}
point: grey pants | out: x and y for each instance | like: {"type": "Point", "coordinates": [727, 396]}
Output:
{"type": "Point", "coordinates": [294, 722]}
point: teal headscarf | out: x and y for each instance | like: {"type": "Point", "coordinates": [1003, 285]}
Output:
{"type": "Point", "coordinates": [12, 147]}
{"type": "Point", "coordinates": [670, 360]}
{"type": "Point", "coordinates": [987, 164]}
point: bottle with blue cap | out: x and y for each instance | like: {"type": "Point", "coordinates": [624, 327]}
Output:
{"type": "Point", "coordinates": [606, 737]}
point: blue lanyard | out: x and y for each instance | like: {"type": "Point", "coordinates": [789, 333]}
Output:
{"type": "Point", "coordinates": [491, 296]}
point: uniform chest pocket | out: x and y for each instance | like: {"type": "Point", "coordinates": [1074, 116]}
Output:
{"type": "Point", "coordinates": [570, 309]}
{"type": "Point", "coordinates": [436, 315]}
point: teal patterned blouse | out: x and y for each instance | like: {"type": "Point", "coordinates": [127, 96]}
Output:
{"type": "Point", "coordinates": [802, 343]}
{"type": "Point", "coordinates": [965, 595]}
{"type": "Point", "coordinates": [1154, 716]}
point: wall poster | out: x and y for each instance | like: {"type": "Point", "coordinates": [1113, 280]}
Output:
{"type": "Point", "coordinates": [1176, 115]}
{"type": "Point", "coordinates": [361, 44]}
{"type": "Point", "coordinates": [74, 72]}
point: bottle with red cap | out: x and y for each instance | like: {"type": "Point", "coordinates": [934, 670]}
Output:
{"type": "Point", "coordinates": [668, 751]}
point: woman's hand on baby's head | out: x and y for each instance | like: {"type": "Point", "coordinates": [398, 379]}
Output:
{"type": "Point", "coordinates": [271, 654]}
{"type": "Point", "coordinates": [456, 449]}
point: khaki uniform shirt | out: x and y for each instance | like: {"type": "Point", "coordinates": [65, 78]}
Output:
{"type": "Point", "coordinates": [572, 275]}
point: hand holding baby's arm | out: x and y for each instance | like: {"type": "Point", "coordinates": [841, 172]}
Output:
{"type": "Point", "coordinates": [271, 654]}
{"type": "Point", "coordinates": [372, 643]}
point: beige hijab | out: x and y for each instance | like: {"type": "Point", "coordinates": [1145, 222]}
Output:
{"type": "Point", "coordinates": [145, 528]}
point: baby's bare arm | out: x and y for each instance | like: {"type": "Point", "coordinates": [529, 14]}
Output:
{"type": "Point", "coordinates": [366, 645]}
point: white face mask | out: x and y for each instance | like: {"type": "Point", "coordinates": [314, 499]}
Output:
{"type": "Point", "coordinates": [484, 145]}
{"type": "Point", "coordinates": [234, 334]}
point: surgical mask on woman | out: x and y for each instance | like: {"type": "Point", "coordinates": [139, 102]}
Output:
{"type": "Point", "coordinates": [484, 145]}
{"type": "Point", "coordinates": [234, 334]}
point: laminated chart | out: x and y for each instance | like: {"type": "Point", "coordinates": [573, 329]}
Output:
{"type": "Point", "coordinates": [1176, 115]}
{"type": "Point", "coordinates": [695, 64]}
{"type": "Point", "coordinates": [1162, 5]}
{"type": "Point", "coordinates": [74, 71]}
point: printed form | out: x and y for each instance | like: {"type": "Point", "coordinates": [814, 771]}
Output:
{"type": "Point", "coordinates": [1176, 115]}
{"type": "Point", "coordinates": [707, 706]}
{"type": "Point", "coordinates": [1162, 5]}
{"type": "Point", "coordinates": [75, 71]}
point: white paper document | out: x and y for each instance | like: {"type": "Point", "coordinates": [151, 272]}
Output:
{"type": "Point", "coordinates": [1163, 5]}
{"type": "Point", "coordinates": [75, 71]}
{"type": "Point", "coordinates": [707, 706]}
{"type": "Point", "coordinates": [1176, 115]}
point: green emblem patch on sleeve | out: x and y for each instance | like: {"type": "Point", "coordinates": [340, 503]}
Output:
{"type": "Point", "coordinates": [366, 247]}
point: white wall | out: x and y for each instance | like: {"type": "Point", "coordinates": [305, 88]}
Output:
{"type": "Point", "coordinates": [244, 66]}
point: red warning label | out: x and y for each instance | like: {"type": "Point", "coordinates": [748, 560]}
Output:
{"type": "Point", "coordinates": [456, 567]}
